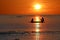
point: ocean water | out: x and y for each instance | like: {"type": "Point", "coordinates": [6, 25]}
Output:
{"type": "Point", "coordinates": [49, 30]}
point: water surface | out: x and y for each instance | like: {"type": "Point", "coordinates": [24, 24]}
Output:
{"type": "Point", "coordinates": [51, 28]}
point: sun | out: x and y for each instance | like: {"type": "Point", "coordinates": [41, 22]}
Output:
{"type": "Point", "coordinates": [37, 6]}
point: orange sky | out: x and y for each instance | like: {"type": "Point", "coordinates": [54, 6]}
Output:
{"type": "Point", "coordinates": [25, 6]}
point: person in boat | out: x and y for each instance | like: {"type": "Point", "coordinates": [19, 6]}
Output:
{"type": "Point", "coordinates": [32, 20]}
{"type": "Point", "coordinates": [42, 20]}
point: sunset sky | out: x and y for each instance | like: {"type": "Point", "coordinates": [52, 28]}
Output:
{"type": "Point", "coordinates": [48, 7]}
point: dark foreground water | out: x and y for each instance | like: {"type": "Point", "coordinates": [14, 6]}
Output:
{"type": "Point", "coordinates": [50, 30]}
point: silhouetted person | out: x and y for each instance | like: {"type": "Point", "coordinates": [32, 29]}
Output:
{"type": "Point", "coordinates": [42, 20]}
{"type": "Point", "coordinates": [32, 20]}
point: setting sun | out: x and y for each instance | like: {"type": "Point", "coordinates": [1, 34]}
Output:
{"type": "Point", "coordinates": [37, 6]}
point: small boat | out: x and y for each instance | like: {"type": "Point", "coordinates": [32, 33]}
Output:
{"type": "Point", "coordinates": [42, 21]}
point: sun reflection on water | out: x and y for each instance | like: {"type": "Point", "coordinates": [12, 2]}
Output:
{"type": "Point", "coordinates": [37, 32]}
{"type": "Point", "coordinates": [37, 28]}
{"type": "Point", "coordinates": [37, 19]}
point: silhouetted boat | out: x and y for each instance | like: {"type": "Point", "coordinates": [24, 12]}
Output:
{"type": "Point", "coordinates": [42, 21]}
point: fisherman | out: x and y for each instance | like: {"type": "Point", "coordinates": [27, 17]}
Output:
{"type": "Point", "coordinates": [32, 20]}
{"type": "Point", "coordinates": [42, 20]}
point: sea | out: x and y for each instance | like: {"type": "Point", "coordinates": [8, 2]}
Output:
{"type": "Point", "coordinates": [49, 30]}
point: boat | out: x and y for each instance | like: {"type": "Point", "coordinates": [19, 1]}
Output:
{"type": "Point", "coordinates": [42, 21]}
